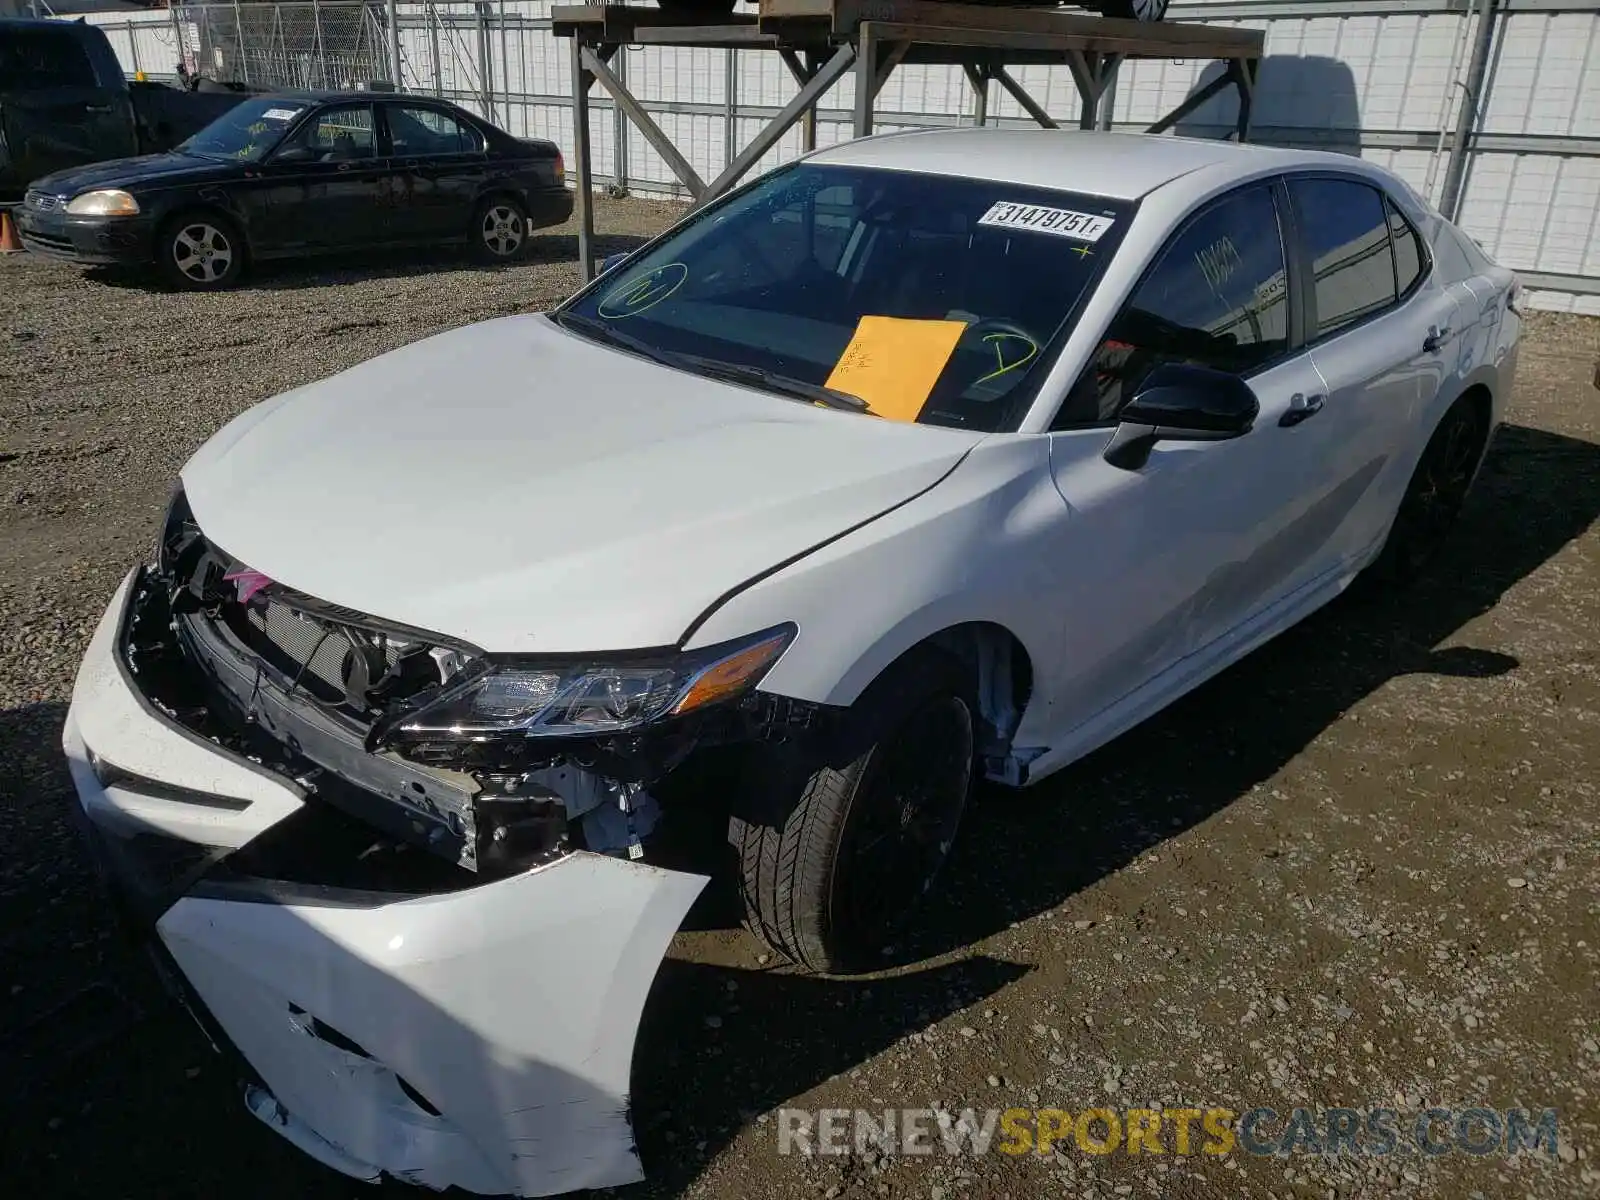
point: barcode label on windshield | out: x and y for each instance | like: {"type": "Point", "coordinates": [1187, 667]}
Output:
{"type": "Point", "coordinates": [279, 114]}
{"type": "Point", "coordinates": [1063, 222]}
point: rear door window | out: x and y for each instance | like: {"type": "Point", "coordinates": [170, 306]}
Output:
{"type": "Point", "coordinates": [418, 130]}
{"type": "Point", "coordinates": [1409, 262]}
{"type": "Point", "coordinates": [1345, 231]}
{"type": "Point", "coordinates": [32, 60]}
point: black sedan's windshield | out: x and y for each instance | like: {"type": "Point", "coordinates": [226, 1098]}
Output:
{"type": "Point", "coordinates": [247, 132]}
{"type": "Point", "coordinates": [931, 298]}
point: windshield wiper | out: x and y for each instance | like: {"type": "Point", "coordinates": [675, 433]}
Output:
{"type": "Point", "coordinates": [713, 368]}
{"type": "Point", "coordinates": [612, 336]}
{"type": "Point", "coordinates": [784, 385]}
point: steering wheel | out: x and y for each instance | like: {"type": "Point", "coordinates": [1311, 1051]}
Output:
{"type": "Point", "coordinates": [998, 331]}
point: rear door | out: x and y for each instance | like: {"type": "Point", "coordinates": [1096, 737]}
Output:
{"type": "Point", "coordinates": [1382, 338]}
{"type": "Point", "coordinates": [441, 164]}
{"type": "Point", "coordinates": [56, 109]}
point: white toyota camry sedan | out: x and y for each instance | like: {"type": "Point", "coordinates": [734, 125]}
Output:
{"type": "Point", "coordinates": [929, 457]}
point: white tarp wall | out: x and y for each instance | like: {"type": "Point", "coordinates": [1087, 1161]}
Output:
{"type": "Point", "coordinates": [1381, 78]}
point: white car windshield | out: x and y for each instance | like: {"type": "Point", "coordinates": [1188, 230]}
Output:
{"type": "Point", "coordinates": [931, 298]}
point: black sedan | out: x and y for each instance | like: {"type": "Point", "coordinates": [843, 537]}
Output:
{"type": "Point", "coordinates": [303, 173]}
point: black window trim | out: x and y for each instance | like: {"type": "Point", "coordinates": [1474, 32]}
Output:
{"type": "Point", "coordinates": [1424, 251]}
{"type": "Point", "coordinates": [1295, 284]}
{"type": "Point", "coordinates": [1302, 253]}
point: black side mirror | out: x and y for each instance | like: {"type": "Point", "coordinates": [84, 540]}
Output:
{"type": "Point", "coordinates": [613, 260]}
{"type": "Point", "coordinates": [1181, 403]}
{"type": "Point", "coordinates": [295, 154]}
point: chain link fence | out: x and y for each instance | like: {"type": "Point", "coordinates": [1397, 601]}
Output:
{"type": "Point", "coordinates": [1382, 78]}
{"type": "Point", "coordinates": [288, 45]}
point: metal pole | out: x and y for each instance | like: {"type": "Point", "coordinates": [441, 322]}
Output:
{"type": "Point", "coordinates": [730, 108]}
{"type": "Point", "coordinates": [583, 202]}
{"type": "Point", "coordinates": [1451, 83]}
{"type": "Point", "coordinates": [238, 28]}
{"type": "Point", "coordinates": [438, 60]}
{"type": "Point", "coordinates": [978, 78]}
{"type": "Point", "coordinates": [322, 56]}
{"type": "Point", "coordinates": [866, 77]}
{"type": "Point", "coordinates": [808, 123]}
{"type": "Point", "coordinates": [505, 70]}
{"type": "Point", "coordinates": [1456, 173]}
{"type": "Point", "coordinates": [177, 38]}
{"type": "Point", "coordinates": [619, 130]}
{"type": "Point", "coordinates": [485, 74]}
{"type": "Point", "coordinates": [394, 45]}
{"type": "Point", "coordinates": [1108, 92]}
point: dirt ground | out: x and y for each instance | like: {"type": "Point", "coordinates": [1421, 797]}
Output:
{"type": "Point", "coordinates": [1362, 868]}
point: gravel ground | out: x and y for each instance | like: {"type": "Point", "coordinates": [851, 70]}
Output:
{"type": "Point", "coordinates": [1361, 868]}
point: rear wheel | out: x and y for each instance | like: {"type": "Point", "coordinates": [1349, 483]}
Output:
{"type": "Point", "coordinates": [698, 8]}
{"type": "Point", "coordinates": [830, 883]}
{"type": "Point", "coordinates": [1135, 10]}
{"type": "Point", "coordinates": [1436, 493]}
{"type": "Point", "coordinates": [201, 251]}
{"type": "Point", "coordinates": [499, 229]}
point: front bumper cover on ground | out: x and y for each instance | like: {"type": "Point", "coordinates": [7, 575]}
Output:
{"type": "Point", "coordinates": [480, 1038]}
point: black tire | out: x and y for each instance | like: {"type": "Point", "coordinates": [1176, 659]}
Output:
{"type": "Point", "coordinates": [201, 251]}
{"type": "Point", "coordinates": [499, 232]}
{"type": "Point", "coordinates": [1135, 10]}
{"type": "Point", "coordinates": [1436, 493]}
{"type": "Point", "coordinates": [850, 857]}
{"type": "Point", "coordinates": [698, 8]}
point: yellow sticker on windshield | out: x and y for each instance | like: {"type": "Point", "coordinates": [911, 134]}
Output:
{"type": "Point", "coordinates": [892, 363]}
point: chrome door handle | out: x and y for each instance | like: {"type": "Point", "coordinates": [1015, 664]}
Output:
{"type": "Point", "coordinates": [97, 108]}
{"type": "Point", "coordinates": [1437, 336]}
{"type": "Point", "coordinates": [1301, 408]}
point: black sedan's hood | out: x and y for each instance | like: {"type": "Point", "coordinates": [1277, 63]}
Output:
{"type": "Point", "coordinates": [159, 170]}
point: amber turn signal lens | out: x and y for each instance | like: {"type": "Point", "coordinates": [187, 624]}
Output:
{"type": "Point", "coordinates": [732, 675]}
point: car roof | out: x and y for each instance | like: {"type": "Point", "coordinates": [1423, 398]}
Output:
{"type": "Point", "coordinates": [324, 97]}
{"type": "Point", "coordinates": [1119, 166]}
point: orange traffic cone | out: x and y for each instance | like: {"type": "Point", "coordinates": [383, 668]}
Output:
{"type": "Point", "coordinates": [9, 243]}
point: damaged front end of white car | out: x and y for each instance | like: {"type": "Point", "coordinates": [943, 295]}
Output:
{"type": "Point", "coordinates": [404, 882]}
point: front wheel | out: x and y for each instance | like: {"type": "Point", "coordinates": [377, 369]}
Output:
{"type": "Point", "coordinates": [830, 883]}
{"type": "Point", "coordinates": [201, 251]}
{"type": "Point", "coordinates": [499, 229]}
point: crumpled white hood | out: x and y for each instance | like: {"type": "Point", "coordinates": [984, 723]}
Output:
{"type": "Point", "coordinates": [526, 490]}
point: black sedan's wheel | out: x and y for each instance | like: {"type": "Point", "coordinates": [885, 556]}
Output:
{"type": "Point", "coordinates": [1135, 10]}
{"type": "Point", "coordinates": [1437, 490]}
{"type": "Point", "coordinates": [499, 229]}
{"type": "Point", "coordinates": [832, 882]}
{"type": "Point", "coordinates": [698, 8]}
{"type": "Point", "coordinates": [201, 251]}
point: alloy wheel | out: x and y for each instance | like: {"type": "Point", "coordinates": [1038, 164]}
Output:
{"type": "Point", "coordinates": [911, 808]}
{"type": "Point", "coordinates": [502, 230]}
{"type": "Point", "coordinates": [202, 253]}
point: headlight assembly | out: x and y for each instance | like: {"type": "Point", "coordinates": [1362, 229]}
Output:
{"type": "Point", "coordinates": [108, 203]}
{"type": "Point", "coordinates": [585, 697]}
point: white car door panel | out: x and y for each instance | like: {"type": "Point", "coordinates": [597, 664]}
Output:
{"type": "Point", "coordinates": [1379, 355]}
{"type": "Point", "coordinates": [1175, 554]}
